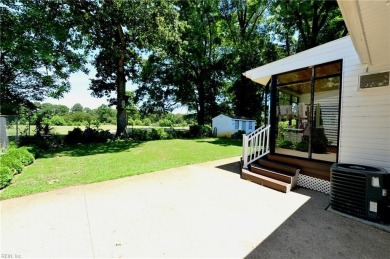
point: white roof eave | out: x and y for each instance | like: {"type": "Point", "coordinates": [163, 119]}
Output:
{"type": "Point", "coordinates": [304, 59]}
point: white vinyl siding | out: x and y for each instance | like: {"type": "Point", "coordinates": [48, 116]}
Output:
{"type": "Point", "coordinates": [225, 126]}
{"type": "Point", "coordinates": [365, 116]}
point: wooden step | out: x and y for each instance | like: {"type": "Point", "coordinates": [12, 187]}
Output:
{"type": "Point", "coordinates": [271, 173]}
{"type": "Point", "coordinates": [277, 166]}
{"type": "Point", "coordinates": [318, 169]}
{"type": "Point", "coordinates": [266, 181]}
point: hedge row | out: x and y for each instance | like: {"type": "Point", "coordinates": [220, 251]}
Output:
{"type": "Point", "coordinates": [12, 163]}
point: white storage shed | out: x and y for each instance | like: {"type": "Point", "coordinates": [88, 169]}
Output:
{"type": "Point", "coordinates": [225, 126]}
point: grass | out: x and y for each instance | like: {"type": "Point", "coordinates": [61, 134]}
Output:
{"type": "Point", "coordinates": [85, 164]}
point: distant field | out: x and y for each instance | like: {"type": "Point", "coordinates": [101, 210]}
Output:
{"type": "Point", "coordinates": [63, 130]}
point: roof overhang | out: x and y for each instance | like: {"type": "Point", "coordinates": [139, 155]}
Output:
{"type": "Point", "coordinates": [368, 23]}
{"type": "Point", "coordinates": [304, 59]}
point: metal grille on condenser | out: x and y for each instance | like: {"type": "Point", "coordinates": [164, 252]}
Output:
{"type": "Point", "coordinates": [313, 183]}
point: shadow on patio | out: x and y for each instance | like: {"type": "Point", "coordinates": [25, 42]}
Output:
{"type": "Point", "coordinates": [314, 232]}
{"type": "Point", "coordinates": [233, 167]}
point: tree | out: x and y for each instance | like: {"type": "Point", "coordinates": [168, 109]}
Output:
{"type": "Point", "coordinates": [60, 109]}
{"type": "Point", "coordinates": [131, 108]}
{"type": "Point", "coordinates": [189, 72]}
{"type": "Point", "coordinates": [105, 114]}
{"type": "Point", "coordinates": [118, 31]}
{"type": "Point", "coordinates": [77, 108]}
{"type": "Point", "coordinates": [39, 50]}
{"type": "Point", "coordinates": [248, 45]}
{"type": "Point", "coordinates": [316, 21]}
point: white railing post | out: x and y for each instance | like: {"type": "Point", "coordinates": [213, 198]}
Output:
{"type": "Point", "coordinates": [245, 150]}
{"type": "Point", "coordinates": [255, 145]}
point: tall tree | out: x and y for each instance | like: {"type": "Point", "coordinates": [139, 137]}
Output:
{"type": "Point", "coordinates": [315, 21]}
{"type": "Point", "coordinates": [39, 50]}
{"type": "Point", "coordinates": [249, 45]}
{"type": "Point", "coordinates": [118, 31]}
{"type": "Point", "coordinates": [191, 72]}
{"type": "Point", "coordinates": [77, 107]}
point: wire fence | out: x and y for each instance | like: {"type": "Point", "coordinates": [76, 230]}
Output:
{"type": "Point", "coordinates": [9, 130]}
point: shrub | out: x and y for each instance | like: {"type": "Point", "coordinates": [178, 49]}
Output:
{"type": "Point", "coordinates": [165, 123]}
{"type": "Point", "coordinates": [6, 175]}
{"type": "Point", "coordinates": [139, 134]}
{"type": "Point", "coordinates": [95, 136]}
{"type": "Point", "coordinates": [138, 122]}
{"type": "Point", "coordinates": [73, 137]}
{"type": "Point", "coordinates": [199, 131]}
{"type": "Point", "coordinates": [238, 134]}
{"type": "Point", "coordinates": [147, 122]}
{"type": "Point", "coordinates": [89, 135]}
{"type": "Point", "coordinates": [178, 134]}
{"type": "Point", "coordinates": [9, 160]}
{"type": "Point", "coordinates": [157, 134]}
{"type": "Point", "coordinates": [320, 141]}
{"type": "Point", "coordinates": [286, 144]}
{"type": "Point", "coordinates": [57, 121]}
{"type": "Point", "coordinates": [12, 163]}
{"type": "Point", "coordinates": [23, 155]}
{"type": "Point", "coordinates": [303, 146]}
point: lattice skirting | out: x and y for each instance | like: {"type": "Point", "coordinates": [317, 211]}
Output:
{"type": "Point", "coordinates": [313, 183]}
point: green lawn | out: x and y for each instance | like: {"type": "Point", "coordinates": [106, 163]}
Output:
{"type": "Point", "coordinates": [100, 162]}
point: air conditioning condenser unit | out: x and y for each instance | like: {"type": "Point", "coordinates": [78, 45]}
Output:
{"type": "Point", "coordinates": [361, 191]}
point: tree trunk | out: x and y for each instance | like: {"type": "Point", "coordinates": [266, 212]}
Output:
{"type": "Point", "coordinates": [121, 118]}
{"type": "Point", "coordinates": [121, 121]}
{"type": "Point", "coordinates": [201, 112]}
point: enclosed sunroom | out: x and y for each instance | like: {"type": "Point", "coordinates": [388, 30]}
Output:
{"type": "Point", "coordinates": [325, 106]}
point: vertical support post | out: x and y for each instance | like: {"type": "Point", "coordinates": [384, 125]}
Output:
{"type": "Point", "coordinates": [311, 119]}
{"type": "Point", "coordinates": [268, 137]}
{"type": "Point", "coordinates": [291, 104]}
{"type": "Point", "coordinates": [267, 104]}
{"type": "Point", "coordinates": [272, 112]}
{"type": "Point", "coordinates": [245, 150]}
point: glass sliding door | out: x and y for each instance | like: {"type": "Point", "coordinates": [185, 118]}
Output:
{"type": "Point", "coordinates": [307, 112]}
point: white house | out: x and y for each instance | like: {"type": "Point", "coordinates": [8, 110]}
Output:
{"type": "Point", "coordinates": [223, 125]}
{"type": "Point", "coordinates": [352, 76]}
{"type": "Point", "coordinates": [348, 79]}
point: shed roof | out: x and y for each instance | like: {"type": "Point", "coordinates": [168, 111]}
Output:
{"type": "Point", "coordinates": [242, 118]}
{"type": "Point", "coordinates": [236, 117]}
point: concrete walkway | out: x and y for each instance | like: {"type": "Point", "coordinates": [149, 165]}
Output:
{"type": "Point", "coordinates": [202, 210]}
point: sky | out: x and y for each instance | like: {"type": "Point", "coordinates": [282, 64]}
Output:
{"type": "Point", "coordinates": [79, 93]}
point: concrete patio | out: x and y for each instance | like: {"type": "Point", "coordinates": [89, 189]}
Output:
{"type": "Point", "coordinates": [202, 210]}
